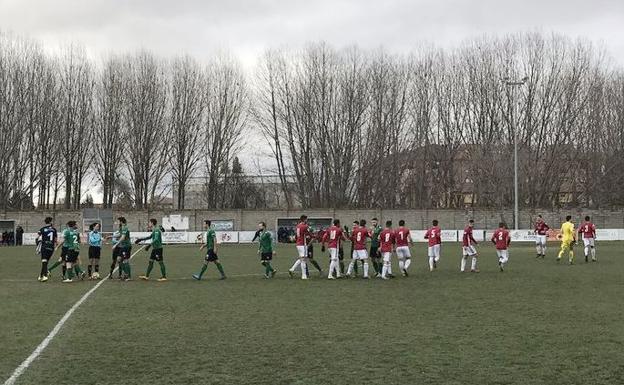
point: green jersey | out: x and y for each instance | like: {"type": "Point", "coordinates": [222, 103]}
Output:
{"type": "Point", "coordinates": [156, 238]}
{"type": "Point", "coordinates": [266, 242]}
{"type": "Point", "coordinates": [115, 237]}
{"type": "Point", "coordinates": [71, 239]}
{"type": "Point", "coordinates": [124, 232]}
{"type": "Point", "coordinates": [209, 239]}
{"type": "Point", "coordinates": [375, 236]}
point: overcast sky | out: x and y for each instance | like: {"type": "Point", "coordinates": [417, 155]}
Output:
{"type": "Point", "coordinates": [246, 28]}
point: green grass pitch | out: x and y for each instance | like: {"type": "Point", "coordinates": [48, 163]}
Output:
{"type": "Point", "coordinates": [538, 322]}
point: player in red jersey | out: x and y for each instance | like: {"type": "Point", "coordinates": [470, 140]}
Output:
{"type": "Point", "coordinates": [403, 240]}
{"type": "Point", "coordinates": [588, 229]}
{"type": "Point", "coordinates": [541, 233]}
{"type": "Point", "coordinates": [386, 243]}
{"type": "Point", "coordinates": [434, 236]}
{"type": "Point", "coordinates": [501, 240]}
{"type": "Point", "coordinates": [358, 237]}
{"type": "Point", "coordinates": [334, 236]}
{"type": "Point", "coordinates": [302, 234]}
{"type": "Point", "coordinates": [469, 249]}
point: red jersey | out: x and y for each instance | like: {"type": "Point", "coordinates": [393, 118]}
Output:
{"type": "Point", "coordinates": [541, 228]}
{"type": "Point", "coordinates": [333, 236]}
{"type": "Point", "coordinates": [401, 236]}
{"type": "Point", "coordinates": [588, 230]}
{"type": "Point", "coordinates": [501, 239]}
{"type": "Point", "coordinates": [434, 236]}
{"type": "Point", "coordinates": [386, 240]}
{"type": "Point", "coordinates": [468, 239]}
{"type": "Point", "coordinates": [302, 232]}
{"type": "Point", "coordinates": [358, 237]}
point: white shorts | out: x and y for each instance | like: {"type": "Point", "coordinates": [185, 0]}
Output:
{"type": "Point", "coordinates": [360, 254]}
{"type": "Point", "coordinates": [403, 252]}
{"type": "Point", "coordinates": [387, 256]}
{"type": "Point", "coordinates": [470, 251]}
{"type": "Point", "coordinates": [434, 251]}
{"type": "Point", "coordinates": [502, 254]}
{"type": "Point", "coordinates": [333, 254]}
{"type": "Point", "coordinates": [540, 239]}
{"type": "Point", "coordinates": [588, 242]}
{"type": "Point", "coordinates": [302, 251]}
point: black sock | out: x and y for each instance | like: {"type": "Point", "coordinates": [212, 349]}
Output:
{"type": "Point", "coordinates": [342, 270]}
{"type": "Point", "coordinates": [89, 270]}
{"type": "Point", "coordinates": [316, 265]}
{"type": "Point", "coordinates": [97, 268]}
{"type": "Point", "coordinates": [64, 270]}
{"type": "Point", "coordinates": [44, 268]}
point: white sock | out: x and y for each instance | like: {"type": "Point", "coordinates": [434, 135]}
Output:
{"type": "Point", "coordinates": [304, 266]}
{"type": "Point", "coordinates": [365, 269]}
{"type": "Point", "coordinates": [401, 265]}
{"type": "Point", "coordinates": [463, 263]}
{"type": "Point", "coordinates": [350, 268]}
{"type": "Point", "coordinates": [593, 253]}
{"type": "Point", "coordinates": [332, 267]}
{"type": "Point", "coordinates": [430, 263]}
{"type": "Point", "coordinates": [407, 263]}
{"type": "Point", "coordinates": [384, 270]}
{"type": "Point", "coordinates": [587, 251]}
{"type": "Point", "coordinates": [295, 265]}
{"type": "Point", "coordinates": [437, 259]}
{"type": "Point", "coordinates": [474, 263]}
{"type": "Point", "coordinates": [543, 249]}
{"type": "Point", "coordinates": [390, 268]}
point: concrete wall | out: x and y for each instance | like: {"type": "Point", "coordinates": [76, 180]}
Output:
{"type": "Point", "coordinates": [415, 219]}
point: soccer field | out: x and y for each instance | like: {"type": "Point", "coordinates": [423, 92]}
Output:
{"type": "Point", "coordinates": [538, 322]}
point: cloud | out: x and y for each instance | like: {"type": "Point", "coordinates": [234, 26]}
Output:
{"type": "Point", "coordinates": [246, 28]}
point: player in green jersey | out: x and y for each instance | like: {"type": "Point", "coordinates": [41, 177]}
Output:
{"type": "Point", "coordinates": [265, 250]}
{"type": "Point", "coordinates": [156, 243]}
{"type": "Point", "coordinates": [114, 238]}
{"type": "Point", "coordinates": [210, 243]}
{"type": "Point", "coordinates": [374, 253]}
{"type": "Point", "coordinates": [125, 248]}
{"type": "Point", "coordinates": [71, 241]}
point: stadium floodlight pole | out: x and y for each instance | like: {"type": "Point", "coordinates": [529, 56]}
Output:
{"type": "Point", "coordinates": [514, 85]}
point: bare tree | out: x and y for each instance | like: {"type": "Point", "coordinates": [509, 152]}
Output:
{"type": "Point", "coordinates": [76, 109]}
{"type": "Point", "coordinates": [226, 106]}
{"type": "Point", "coordinates": [185, 122]}
{"type": "Point", "coordinates": [110, 134]}
{"type": "Point", "coordinates": [145, 125]}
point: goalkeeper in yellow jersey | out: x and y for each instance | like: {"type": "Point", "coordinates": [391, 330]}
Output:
{"type": "Point", "coordinates": [568, 239]}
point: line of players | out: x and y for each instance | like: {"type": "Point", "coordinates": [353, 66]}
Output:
{"type": "Point", "coordinates": [383, 243]}
{"type": "Point", "coordinates": [386, 241]}
{"type": "Point", "coordinates": [69, 259]}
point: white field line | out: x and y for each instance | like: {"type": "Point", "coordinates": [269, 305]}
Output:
{"type": "Point", "coordinates": [46, 341]}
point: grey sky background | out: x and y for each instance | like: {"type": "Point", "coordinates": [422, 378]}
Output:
{"type": "Point", "coordinates": [246, 28]}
